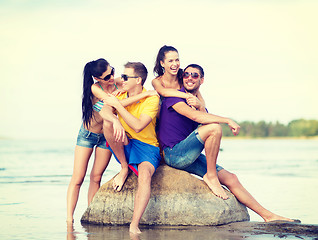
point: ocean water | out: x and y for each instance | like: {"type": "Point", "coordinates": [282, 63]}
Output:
{"type": "Point", "coordinates": [34, 175]}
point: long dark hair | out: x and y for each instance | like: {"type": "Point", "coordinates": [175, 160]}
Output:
{"type": "Point", "coordinates": [158, 69]}
{"type": "Point", "coordinates": [91, 69]}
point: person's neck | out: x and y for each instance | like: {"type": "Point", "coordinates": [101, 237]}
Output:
{"type": "Point", "coordinates": [169, 77]}
{"type": "Point", "coordinates": [135, 91]}
{"type": "Point", "coordinates": [109, 88]}
{"type": "Point", "coordinates": [170, 81]}
{"type": "Point", "coordinates": [195, 92]}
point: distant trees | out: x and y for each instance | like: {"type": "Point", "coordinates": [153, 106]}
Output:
{"type": "Point", "coordinates": [295, 128]}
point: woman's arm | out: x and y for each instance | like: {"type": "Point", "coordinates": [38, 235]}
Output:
{"type": "Point", "coordinates": [167, 92]}
{"type": "Point", "coordinates": [201, 99]}
{"type": "Point", "coordinates": [137, 124]}
{"type": "Point", "coordinates": [100, 94]}
{"type": "Point", "coordinates": [130, 100]}
{"type": "Point", "coordinates": [197, 102]}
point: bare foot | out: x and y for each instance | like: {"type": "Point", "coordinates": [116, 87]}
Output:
{"type": "Point", "coordinates": [134, 229]}
{"type": "Point", "coordinates": [134, 236]}
{"type": "Point", "coordinates": [277, 218]}
{"type": "Point", "coordinates": [215, 186]}
{"type": "Point", "coordinates": [120, 179]}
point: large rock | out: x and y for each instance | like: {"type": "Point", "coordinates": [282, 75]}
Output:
{"type": "Point", "coordinates": [177, 198]}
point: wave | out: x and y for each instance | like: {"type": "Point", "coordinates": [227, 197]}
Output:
{"type": "Point", "coordinates": [35, 179]}
{"type": "Point", "coordinates": [39, 176]}
{"type": "Point", "coordinates": [7, 204]}
{"type": "Point", "coordinates": [30, 181]}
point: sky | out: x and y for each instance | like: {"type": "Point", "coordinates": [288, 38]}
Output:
{"type": "Point", "coordinates": [260, 57]}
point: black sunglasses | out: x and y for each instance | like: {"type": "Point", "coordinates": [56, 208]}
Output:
{"type": "Point", "coordinates": [193, 75]}
{"type": "Point", "coordinates": [125, 77]}
{"type": "Point", "coordinates": [107, 77]}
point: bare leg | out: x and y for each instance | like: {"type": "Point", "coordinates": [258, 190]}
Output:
{"type": "Point", "coordinates": [118, 149]}
{"type": "Point", "coordinates": [231, 181]}
{"type": "Point", "coordinates": [211, 135]}
{"type": "Point", "coordinates": [145, 172]}
{"type": "Point", "coordinates": [81, 158]}
{"type": "Point", "coordinates": [102, 157]}
{"type": "Point", "coordinates": [70, 231]}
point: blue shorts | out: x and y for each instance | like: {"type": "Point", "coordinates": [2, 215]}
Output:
{"type": "Point", "coordinates": [89, 139]}
{"type": "Point", "coordinates": [137, 152]}
{"type": "Point", "coordinates": [187, 156]}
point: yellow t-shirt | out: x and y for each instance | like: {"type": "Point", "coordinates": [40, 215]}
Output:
{"type": "Point", "coordinates": [148, 106]}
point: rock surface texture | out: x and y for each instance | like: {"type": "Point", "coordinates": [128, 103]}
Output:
{"type": "Point", "coordinates": [177, 198]}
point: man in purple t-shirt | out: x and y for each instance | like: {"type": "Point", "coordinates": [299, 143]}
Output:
{"type": "Point", "coordinates": [182, 138]}
{"type": "Point", "coordinates": [183, 134]}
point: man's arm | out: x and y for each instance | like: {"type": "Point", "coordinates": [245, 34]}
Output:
{"type": "Point", "coordinates": [119, 132]}
{"type": "Point", "coordinates": [203, 117]}
{"type": "Point", "coordinates": [196, 103]}
{"type": "Point", "coordinates": [137, 124]}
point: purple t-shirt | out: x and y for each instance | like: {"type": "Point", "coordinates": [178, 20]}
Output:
{"type": "Point", "coordinates": [173, 127]}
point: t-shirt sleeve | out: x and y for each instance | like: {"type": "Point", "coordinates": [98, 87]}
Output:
{"type": "Point", "coordinates": [170, 101]}
{"type": "Point", "coordinates": [151, 106]}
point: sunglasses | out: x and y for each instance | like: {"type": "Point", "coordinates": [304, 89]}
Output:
{"type": "Point", "coordinates": [193, 75]}
{"type": "Point", "coordinates": [107, 77]}
{"type": "Point", "coordinates": [125, 77]}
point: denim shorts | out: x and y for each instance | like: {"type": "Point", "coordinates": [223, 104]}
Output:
{"type": "Point", "coordinates": [186, 155]}
{"type": "Point", "coordinates": [89, 139]}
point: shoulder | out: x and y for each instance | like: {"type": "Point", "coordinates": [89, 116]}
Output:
{"type": "Point", "coordinates": [170, 101]}
{"type": "Point", "coordinates": [151, 100]}
{"type": "Point", "coordinates": [157, 80]}
{"type": "Point", "coordinates": [95, 85]}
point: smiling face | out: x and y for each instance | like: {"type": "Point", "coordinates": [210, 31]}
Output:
{"type": "Point", "coordinates": [171, 62]}
{"type": "Point", "coordinates": [110, 73]}
{"type": "Point", "coordinates": [191, 84]}
{"type": "Point", "coordinates": [132, 79]}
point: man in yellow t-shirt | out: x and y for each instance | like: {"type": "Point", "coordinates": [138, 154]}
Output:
{"type": "Point", "coordinates": [147, 106]}
{"type": "Point", "coordinates": [141, 146]}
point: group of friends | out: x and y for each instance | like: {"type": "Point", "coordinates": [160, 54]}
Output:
{"type": "Point", "coordinates": [140, 128]}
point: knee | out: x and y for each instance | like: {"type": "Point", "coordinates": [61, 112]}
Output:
{"type": "Point", "coordinates": [77, 181]}
{"type": "Point", "coordinates": [215, 129]}
{"type": "Point", "coordinates": [95, 178]}
{"type": "Point", "coordinates": [144, 178]}
{"type": "Point", "coordinates": [232, 180]}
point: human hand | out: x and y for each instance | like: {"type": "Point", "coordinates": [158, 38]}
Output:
{"type": "Point", "coordinates": [234, 127]}
{"type": "Point", "coordinates": [111, 100]}
{"type": "Point", "coordinates": [193, 101]}
{"type": "Point", "coordinates": [152, 93]}
{"type": "Point", "coordinates": [119, 131]}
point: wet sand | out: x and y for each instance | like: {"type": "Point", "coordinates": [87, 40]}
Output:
{"type": "Point", "coordinates": [239, 230]}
